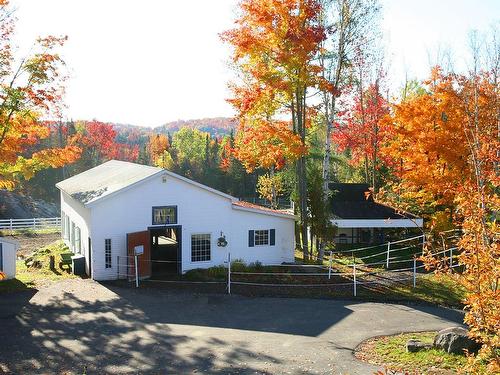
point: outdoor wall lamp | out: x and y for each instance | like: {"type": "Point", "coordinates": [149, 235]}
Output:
{"type": "Point", "coordinates": [221, 241]}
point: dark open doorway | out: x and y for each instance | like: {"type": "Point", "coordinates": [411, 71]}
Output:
{"type": "Point", "coordinates": [166, 252]}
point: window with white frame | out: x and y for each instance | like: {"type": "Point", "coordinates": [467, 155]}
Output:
{"type": "Point", "coordinates": [67, 226]}
{"type": "Point", "coordinates": [78, 242]}
{"type": "Point", "coordinates": [261, 237]}
{"type": "Point", "coordinates": [63, 224]}
{"type": "Point", "coordinates": [200, 247]}
{"type": "Point", "coordinates": [72, 236]}
{"type": "Point", "coordinates": [107, 252]}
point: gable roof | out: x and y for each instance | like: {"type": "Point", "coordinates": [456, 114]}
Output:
{"type": "Point", "coordinates": [105, 179]}
{"type": "Point", "coordinates": [114, 176]}
{"type": "Point", "coordinates": [355, 201]}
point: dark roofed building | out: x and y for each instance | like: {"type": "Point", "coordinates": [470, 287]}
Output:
{"type": "Point", "coordinates": [360, 219]}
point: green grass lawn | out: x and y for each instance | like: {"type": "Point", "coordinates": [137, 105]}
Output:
{"type": "Point", "coordinates": [430, 288]}
{"type": "Point", "coordinates": [437, 289]}
{"type": "Point", "coordinates": [390, 351]}
{"type": "Point", "coordinates": [35, 277]}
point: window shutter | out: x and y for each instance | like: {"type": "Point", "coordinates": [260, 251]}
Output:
{"type": "Point", "coordinates": [250, 238]}
{"type": "Point", "coordinates": [272, 236]}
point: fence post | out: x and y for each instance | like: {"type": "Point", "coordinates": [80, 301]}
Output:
{"type": "Point", "coordinates": [451, 257]}
{"type": "Point", "coordinates": [136, 273]}
{"type": "Point", "coordinates": [414, 272]}
{"type": "Point", "coordinates": [354, 278]}
{"type": "Point", "coordinates": [388, 254]}
{"type": "Point", "coordinates": [34, 223]}
{"type": "Point", "coordinates": [228, 273]}
{"type": "Point", "coordinates": [330, 266]}
{"type": "Point", "coordinates": [11, 228]}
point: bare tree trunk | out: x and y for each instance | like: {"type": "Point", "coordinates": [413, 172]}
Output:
{"type": "Point", "coordinates": [273, 189]}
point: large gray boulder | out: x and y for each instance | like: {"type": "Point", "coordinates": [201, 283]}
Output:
{"type": "Point", "coordinates": [455, 340]}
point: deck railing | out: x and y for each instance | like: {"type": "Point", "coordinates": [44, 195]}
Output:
{"type": "Point", "coordinates": [36, 223]}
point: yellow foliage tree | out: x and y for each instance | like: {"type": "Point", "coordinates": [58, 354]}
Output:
{"type": "Point", "coordinates": [29, 92]}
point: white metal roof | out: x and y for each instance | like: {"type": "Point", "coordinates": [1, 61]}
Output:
{"type": "Point", "coordinates": [113, 176]}
{"type": "Point", "coordinates": [378, 223]}
{"type": "Point", "coordinates": [105, 179]}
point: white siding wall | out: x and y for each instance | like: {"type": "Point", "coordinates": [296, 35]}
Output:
{"type": "Point", "coordinates": [8, 266]}
{"type": "Point", "coordinates": [236, 231]}
{"type": "Point", "coordinates": [80, 215]}
{"type": "Point", "coordinates": [199, 211]}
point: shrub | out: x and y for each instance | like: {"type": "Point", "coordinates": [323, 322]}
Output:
{"type": "Point", "coordinates": [217, 272]}
{"type": "Point", "coordinates": [256, 266]}
{"type": "Point", "coordinates": [197, 274]}
{"type": "Point", "coordinates": [238, 265]}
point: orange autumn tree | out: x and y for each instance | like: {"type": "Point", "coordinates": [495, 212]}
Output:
{"type": "Point", "coordinates": [29, 91]}
{"type": "Point", "coordinates": [275, 45]}
{"type": "Point", "coordinates": [157, 146]}
{"type": "Point", "coordinates": [446, 140]}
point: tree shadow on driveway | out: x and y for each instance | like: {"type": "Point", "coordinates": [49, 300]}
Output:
{"type": "Point", "coordinates": [68, 334]}
{"type": "Point", "coordinates": [80, 325]}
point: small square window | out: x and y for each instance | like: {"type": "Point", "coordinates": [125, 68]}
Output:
{"type": "Point", "coordinates": [261, 237]}
{"type": "Point", "coordinates": [200, 247]}
{"type": "Point", "coordinates": [164, 215]}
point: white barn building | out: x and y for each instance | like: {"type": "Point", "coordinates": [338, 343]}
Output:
{"type": "Point", "coordinates": [8, 256]}
{"type": "Point", "coordinates": [109, 210]}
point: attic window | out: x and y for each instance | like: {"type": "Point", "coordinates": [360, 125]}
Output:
{"type": "Point", "coordinates": [164, 215]}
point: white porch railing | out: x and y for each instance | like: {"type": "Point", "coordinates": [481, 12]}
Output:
{"type": "Point", "coordinates": [36, 223]}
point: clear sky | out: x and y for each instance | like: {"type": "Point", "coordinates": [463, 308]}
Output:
{"type": "Point", "coordinates": [153, 61]}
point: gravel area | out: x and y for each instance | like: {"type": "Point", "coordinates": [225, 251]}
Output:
{"type": "Point", "coordinates": [81, 326]}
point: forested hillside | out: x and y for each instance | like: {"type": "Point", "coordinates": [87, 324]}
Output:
{"type": "Point", "coordinates": [217, 126]}
{"type": "Point", "coordinates": [196, 154]}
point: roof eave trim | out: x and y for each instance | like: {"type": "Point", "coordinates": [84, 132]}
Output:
{"type": "Point", "coordinates": [263, 212]}
{"type": "Point", "coordinates": [201, 186]}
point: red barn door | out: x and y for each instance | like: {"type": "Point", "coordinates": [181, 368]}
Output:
{"type": "Point", "coordinates": [144, 260]}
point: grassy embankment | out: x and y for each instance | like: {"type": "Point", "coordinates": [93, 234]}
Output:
{"type": "Point", "coordinates": [390, 351]}
{"type": "Point", "coordinates": [430, 288]}
{"type": "Point", "coordinates": [35, 272]}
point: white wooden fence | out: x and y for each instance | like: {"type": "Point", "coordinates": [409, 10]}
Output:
{"type": "Point", "coordinates": [37, 223]}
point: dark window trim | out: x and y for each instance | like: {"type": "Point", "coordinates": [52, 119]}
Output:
{"type": "Point", "coordinates": [271, 237]}
{"type": "Point", "coordinates": [153, 215]}
{"type": "Point", "coordinates": [107, 253]}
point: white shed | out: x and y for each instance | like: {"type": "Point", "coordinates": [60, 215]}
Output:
{"type": "Point", "coordinates": [8, 250]}
{"type": "Point", "coordinates": [111, 209]}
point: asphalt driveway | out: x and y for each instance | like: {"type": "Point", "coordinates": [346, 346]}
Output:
{"type": "Point", "coordinates": [80, 325]}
